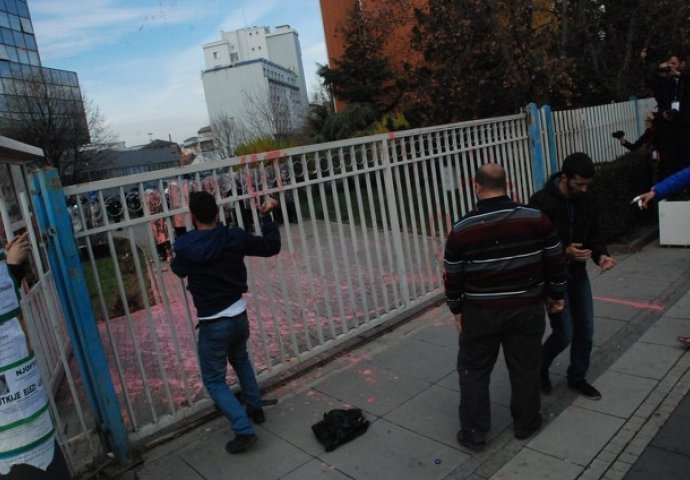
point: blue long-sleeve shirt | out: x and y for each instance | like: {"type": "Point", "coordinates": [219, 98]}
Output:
{"type": "Point", "coordinates": [676, 183]}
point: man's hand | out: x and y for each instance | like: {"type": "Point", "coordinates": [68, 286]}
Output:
{"type": "Point", "coordinates": [458, 321]}
{"type": "Point", "coordinates": [268, 206]}
{"type": "Point", "coordinates": [555, 306]}
{"type": "Point", "coordinates": [644, 199]}
{"type": "Point", "coordinates": [606, 263]}
{"type": "Point", "coordinates": [17, 250]}
{"type": "Point", "coordinates": [574, 251]}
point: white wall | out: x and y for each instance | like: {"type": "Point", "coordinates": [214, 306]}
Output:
{"type": "Point", "coordinates": [227, 83]}
{"type": "Point", "coordinates": [227, 90]}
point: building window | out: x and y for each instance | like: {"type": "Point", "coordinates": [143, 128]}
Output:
{"type": "Point", "coordinates": [26, 25]}
{"type": "Point", "coordinates": [234, 57]}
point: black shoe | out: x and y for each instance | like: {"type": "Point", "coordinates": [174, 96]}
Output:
{"type": "Point", "coordinates": [240, 443]}
{"type": "Point", "coordinates": [256, 414]}
{"type": "Point", "coordinates": [475, 444]}
{"type": "Point", "coordinates": [545, 383]}
{"type": "Point", "coordinates": [521, 434]}
{"type": "Point", "coordinates": [586, 389]}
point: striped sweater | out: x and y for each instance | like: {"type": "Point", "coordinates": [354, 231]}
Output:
{"type": "Point", "coordinates": [503, 255]}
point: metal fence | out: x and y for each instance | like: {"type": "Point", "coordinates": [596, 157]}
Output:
{"type": "Point", "coordinates": [589, 129]}
{"type": "Point", "coordinates": [363, 227]}
{"type": "Point", "coordinates": [364, 223]}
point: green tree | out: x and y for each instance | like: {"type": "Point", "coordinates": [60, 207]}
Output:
{"type": "Point", "coordinates": [487, 58]}
{"type": "Point", "coordinates": [46, 115]}
{"type": "Point", "coordinates": [363, 75]}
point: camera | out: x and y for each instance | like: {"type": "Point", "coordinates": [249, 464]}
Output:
{"type": "Point", "coordinates": [618, 134]}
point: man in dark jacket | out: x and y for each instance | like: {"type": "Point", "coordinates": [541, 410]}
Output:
{"type": "Point", "coordinates": [566, 201]}
{"type": "Point", "coordinates": [503, 261]}
{"type": "Point", "coordinates": [212, 259]}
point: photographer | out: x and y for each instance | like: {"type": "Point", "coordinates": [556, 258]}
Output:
{"type": "Point", "coordinates": [668, 80]}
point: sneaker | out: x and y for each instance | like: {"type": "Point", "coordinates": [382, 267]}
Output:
{"type": "Point", "coordinates": [521, 434]}
{"type": "Point", "coordinates": [240, 443]}
{"type": "Point", "coordinates": [475, 444]}
{"type": "Point", "coordinates": [545, 383]}
{"type": "Point", "coordinates": [586, 389]}
{"type": "Point", "coordinates": [256, 414]}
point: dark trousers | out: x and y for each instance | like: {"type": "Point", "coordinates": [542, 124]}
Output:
{"type": "Point", "coordinates": [519, 332]}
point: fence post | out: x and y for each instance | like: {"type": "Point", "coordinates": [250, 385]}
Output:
{"type": "Point", "coordinates": [396, 230]}
{"type": "Point", "coordinates": [536, 146]}
{"type": "Point", "coordinates": [65, 263]}
{"type": "Point", "coordinates": [549, 138]}
{"type": "Point", "coordinates": [636, 106]}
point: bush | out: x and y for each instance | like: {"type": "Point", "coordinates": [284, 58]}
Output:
{"type": "Point", "coordinates": [616, 184]}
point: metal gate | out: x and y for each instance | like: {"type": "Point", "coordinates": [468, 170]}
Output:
{"type": "Point", "coordinates": [41, 310]}
{"type": "Point", "coordinates": [363, 227]}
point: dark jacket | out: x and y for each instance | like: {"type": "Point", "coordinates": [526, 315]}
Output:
{"type": "Point", "coordinates": [213, 262]}
{"type": "Point", "coordinates": [576, 219]}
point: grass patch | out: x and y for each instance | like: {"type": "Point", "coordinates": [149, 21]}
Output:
{"type": "Point", "coordinates": [107, 278]}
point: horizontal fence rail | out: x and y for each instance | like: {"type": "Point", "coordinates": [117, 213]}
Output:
{"type": "Point", "coordinates": [590, 129]}
{"type": "Point", "coordinates": [363, 223]}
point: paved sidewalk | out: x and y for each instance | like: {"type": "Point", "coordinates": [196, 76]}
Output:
{"type": "Point", "coordinates": [406, 383]}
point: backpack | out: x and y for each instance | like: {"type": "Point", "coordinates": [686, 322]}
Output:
{"type": "Point", "coordinates": [340, 426]}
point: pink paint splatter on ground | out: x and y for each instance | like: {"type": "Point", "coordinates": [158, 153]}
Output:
{"type": "Point", "coordinates": [631, 303]}
{"type": "Point", "coordinates": [158, 373]}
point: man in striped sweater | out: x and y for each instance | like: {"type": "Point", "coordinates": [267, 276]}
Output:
{"type": "Point", "coordinates": [503, 263]}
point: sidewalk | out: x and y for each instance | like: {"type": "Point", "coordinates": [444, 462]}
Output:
{"type": "Point", "coordinates": [406, 383]}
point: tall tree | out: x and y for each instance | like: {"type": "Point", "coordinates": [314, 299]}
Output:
{"type": "Point", "coordinates": [224, 131]}
{"type": "Point", "coordinates": [80, 160]}
{"type": "Point", "coordinates": [46, 115]}
{"type": "Point", "coordinates": [486, 58]}
{"type": "Point", "coordinates": [363, 74]}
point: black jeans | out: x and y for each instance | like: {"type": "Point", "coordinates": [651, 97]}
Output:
{"type": "Point", "coordinates": [519, 331]}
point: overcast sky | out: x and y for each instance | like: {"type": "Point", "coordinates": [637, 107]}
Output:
{"type": "Point", "coordinates": [140, 61]}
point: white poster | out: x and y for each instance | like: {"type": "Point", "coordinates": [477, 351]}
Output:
{"type": "Point", "coordinates": [26, 427]}
{"type": "Point", "coordinates": [8, 296]}
{"type": "Point", "coordinates": [13, 346]}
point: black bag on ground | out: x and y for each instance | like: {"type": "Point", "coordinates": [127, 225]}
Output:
{"type": "Point", "coordinates": [340, 426]}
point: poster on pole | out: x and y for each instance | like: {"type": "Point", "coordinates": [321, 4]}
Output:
{"type": "Point", "coordinates": [27, 434]}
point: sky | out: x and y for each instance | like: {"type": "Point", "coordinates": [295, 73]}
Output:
{"type": "Point", "coordinates": [140, 61]}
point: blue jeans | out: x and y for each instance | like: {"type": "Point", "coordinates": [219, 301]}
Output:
{"type": "Point", "coordinates": [574, 326]}
{"type": "Point", "coordinates": [221, 342]}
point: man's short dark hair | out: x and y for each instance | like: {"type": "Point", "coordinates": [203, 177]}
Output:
{"type": "Point", "coordinates": [578, 163]}
{"type": "Point", "coordinates": [203, 206]}
{"type": "Point", "coordinates": [491, 177]}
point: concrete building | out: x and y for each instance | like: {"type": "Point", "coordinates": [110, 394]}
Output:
{"type": "Point", "coordinates": [116, 162]}
{"type": "Point", "coordinates": [255, 77]}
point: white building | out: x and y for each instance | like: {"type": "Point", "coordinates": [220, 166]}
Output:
{"type": "Point", "coordinates": [255, 77]}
